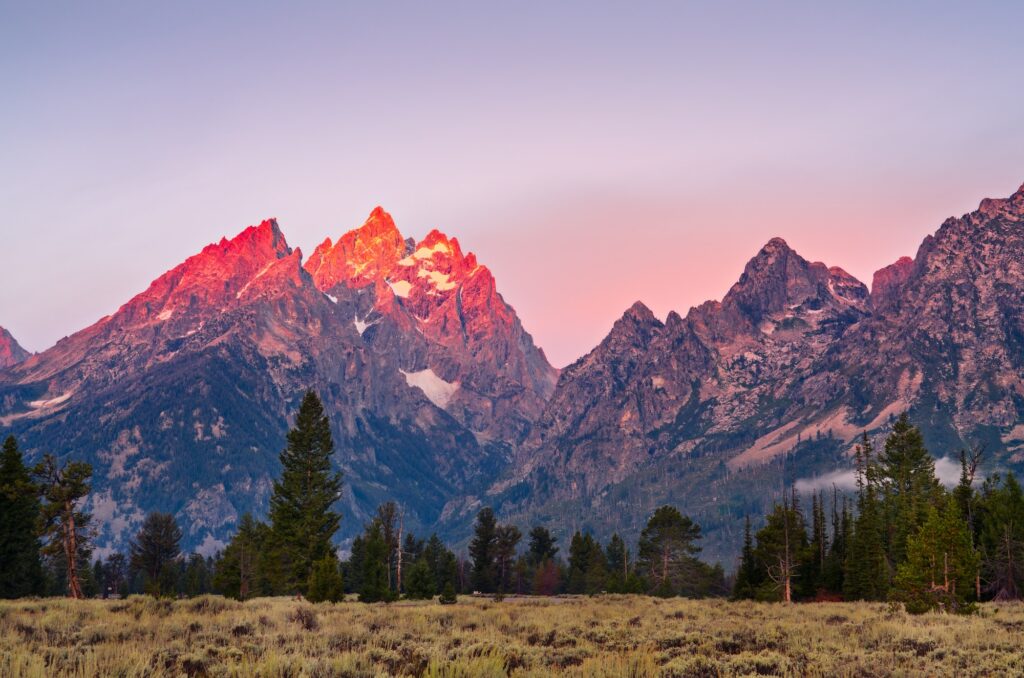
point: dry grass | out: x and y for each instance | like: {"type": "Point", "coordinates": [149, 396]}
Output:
{"type": "Point", "coordinates": [603, 636]}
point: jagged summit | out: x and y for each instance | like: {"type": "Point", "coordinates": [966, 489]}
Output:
{"type": "Point", "coordinates": [11, 352]}
{"type": "Point", "coordinates": [639, 312]}
{"type": "Point", "coordinates": [361, 256]}
{"type": "Point", "coordinates": [777, 279]}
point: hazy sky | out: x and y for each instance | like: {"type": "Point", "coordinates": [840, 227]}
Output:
{"type": "Point", "coordinates": [592, 154]}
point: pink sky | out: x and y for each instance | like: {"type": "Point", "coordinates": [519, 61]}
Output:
{"type": "Point", "coordinates": [591, 155]}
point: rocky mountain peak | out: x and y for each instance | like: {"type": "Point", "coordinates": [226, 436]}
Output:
{"type": "Point", "coordinates": [213, 279]}
{"type": "Point", "coordinates": [887, 282]}
{"type": "Point", "coordinates": [361, 256]}
{"type": "Point", "coordinates": [11, 352]}
{"type": "Point", "coordinates": [1012, 206]}
{"type": "Point", "coordinates": [778, 279]}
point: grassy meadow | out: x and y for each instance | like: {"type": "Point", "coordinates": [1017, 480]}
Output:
{"type": "Point", "coordinates": [571, 636]}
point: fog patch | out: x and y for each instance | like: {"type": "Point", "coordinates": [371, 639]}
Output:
{"type": "Point", "coordinates": [947, 470]}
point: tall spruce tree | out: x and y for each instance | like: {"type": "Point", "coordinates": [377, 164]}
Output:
{"type": "Point", "coordinates": [867, 574]}
{"type": "Point", "coordinates": [302, 519]}
{"type": "Point", "coordinates": [1000, 522]}
{"type": "Point", "coordinates": [941, 563]}
{"type": "Point", "coordinates": [374, 585]}
{"type": "Point", "coordinates": [782, 550]}
{"type": "Point", "coordinates": [19, 515]}
{"type": "Point", "coordinates": [241, 570]}
{"type": "Point", "coordinates": [482, 551]}
{"type": "Point", "coordinates": [617, 560]}
{"type": "Point", "coordinates": [154, 551]}
{"type": "Point", "coordinates": [65, 526]}
{"type": "Point", "coordinates": [909, 487]}
{"type": "Point", "coordinates": [506, 540]}
{"type": "Point", "coordinates": [541, 546]}
{"type": "Point", "coordinates": [750, 574]}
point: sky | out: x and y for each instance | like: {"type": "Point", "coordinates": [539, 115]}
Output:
{"type": "Point", "coordinates": [591, 154]}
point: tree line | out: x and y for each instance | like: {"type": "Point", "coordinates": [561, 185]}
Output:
{"type": "Point", "coordinates": [902, 538]}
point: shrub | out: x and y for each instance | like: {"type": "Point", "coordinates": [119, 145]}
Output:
{"type": "Point", "coordinates": [325, 583]}
{"type": "Point", "coordinates": [448, 596]}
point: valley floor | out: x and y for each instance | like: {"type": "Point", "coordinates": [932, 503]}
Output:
{"type": "Point", "coordinates": [601, 636]}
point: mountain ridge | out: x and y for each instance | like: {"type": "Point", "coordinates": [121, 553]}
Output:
{"type": "Point", "coordinates": [439, 397]}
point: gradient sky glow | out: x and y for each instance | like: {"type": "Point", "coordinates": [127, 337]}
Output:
{"type": "Point", "coordinates": [591, 154]}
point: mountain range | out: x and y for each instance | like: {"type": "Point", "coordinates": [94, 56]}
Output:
{"type": "Point", "coordinates": [440, 399]}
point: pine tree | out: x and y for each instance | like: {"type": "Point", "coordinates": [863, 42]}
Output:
{"type": "Point", "coordinates": [448, 596]}
{"type": "Point", "coordinates": [818, 553]}
{"type": "Point", "coordinates": [506, 539]}
{"type": "Point", "coordinates": [781, 549]}
{"type": "Point", "coordinates": [867, 574]}
{"type": "Point", "coordinates": [352, 569]}
{"type": "Point", "coordinates": [832, 577]}
{"type": "Point", "coordinates": [116, 574]}
{"type": "Point", "coordinates": [617, 560]}
{"type": "Point", "coordinates": [325, 582]}
{"type": "Point", "coordinates": [197, 576]}
{"type": "Point", "coordinates": [579, 558]}
{"type": "Point", "coordinates": [941, 563]}
{"type": "Point", "coordinates": [65, 527]}
{"type": "Point", "coordinates": [19, 515]}
{"type": "Point", "coordinates": [375, 586]}
{"type": "Point", "coordinates": [482, 551]}
{"type": "Point", "coordinates": [388, 517]}
{"type": "Point", "coordinates": [749, 575]}
{"type": "Point", "coordinates": [1000, 521]}
{"type": "Point", "coordinates": [302, 521]}
{"type": "Point", "coordinates": [420, 585]}
{"type": "Point", "coordinates": [442, 563]}
{"type": "Point", "coordinates": [541, 547]}
{"type": "Point", "coordinates": [666, 551]}
{"type": "Point", "coordinates": [154, 550]}
{"type": "Point", "coordinates": [908, 487]}
{"type": "Point", "coordinates": [241, 570]}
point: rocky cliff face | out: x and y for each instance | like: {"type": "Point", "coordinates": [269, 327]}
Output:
{"type": "Point", "coordinates": [437, 313]}
{"type": "Point", "coordinates": [11, 352]}
{"type": "Point", "coordinates": [720, 409]}
{"type": "Point", "coordinates": [181, 398]}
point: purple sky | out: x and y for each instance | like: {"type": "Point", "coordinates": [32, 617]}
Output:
{"type": "Point", "coordinates": [591, 155]}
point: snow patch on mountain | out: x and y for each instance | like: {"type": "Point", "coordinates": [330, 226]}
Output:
{"type": "Point", "coordinates": [401, 288]}
{"type": "Point", "coordinates": [437, 390]}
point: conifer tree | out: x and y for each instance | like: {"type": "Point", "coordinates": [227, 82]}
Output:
{"type": "Point", "coordinates": [374, 585]}
{"type": "Point", "coordinates": [541, 547]}
{"type": "Point", "coordinates": [506, 539]}
{"type": "Point", "coordinates": [909, 487]}
{"type": "Point", "coordinates": [302, 519]}
{"type": "Point", "coordinates": [818, 551]}
{"type": "Point", "coordinates": [941, 563]}
{"type": "Point", "coordinates": [1000, 519]}
{"type": "Point", "coordinates": [19, 515]}
{"type": "Point", "coordinates": [420, 585]}
{"type": "Point", "coordinates": [781, 550]}
{"type": "Point", "coordinates": [867, 573]}
{"type": "Point", "coordinates": [241, 570]}
{"type": "Point", "coordinates": [832, 577]}
{"type": "Point", "coordinates": [617, 561]}
{"type": "Point", "coordinates": [325, 582]}
{"type": "Point", "coordinates": [749, 575]}
{"type": "Point", "coordinates": [154, 550]}
{"type": "Point", "coordinates": [442, 563]}
{"type": "Point", "coordinates": [482, 551]}
{"type": "Point", "coordinates": [666, 551]}
{"type": "Point", "coordinates": [65, 527]}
